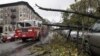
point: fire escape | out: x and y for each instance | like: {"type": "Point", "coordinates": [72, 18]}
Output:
{"type": "Point", "coordinates": [13, 18]}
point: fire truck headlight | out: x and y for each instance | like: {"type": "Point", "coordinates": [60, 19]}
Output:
{"type": "Point", "coordinates": [19, 31]}
{"type": "Point", "coordinates": [30, 30]}
{"type": "Point", "coordinates": [16, 36]}
{"type": "Point", "coordinates": [24, 35]}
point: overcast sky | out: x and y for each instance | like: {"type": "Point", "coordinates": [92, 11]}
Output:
{"type": "Point", "coordinates": [52, 16]}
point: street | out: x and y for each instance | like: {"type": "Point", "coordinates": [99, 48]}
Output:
{"type": "Point", "coordinates": [17, 48]}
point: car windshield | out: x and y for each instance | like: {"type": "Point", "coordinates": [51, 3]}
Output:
{"type": "Point", "coordinates": [96, 27]}
{"type": "Point", "coordinates": [23, 24]}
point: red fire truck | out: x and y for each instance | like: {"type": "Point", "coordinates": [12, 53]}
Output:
{"type": "Point", "coordinates": [28, 29]}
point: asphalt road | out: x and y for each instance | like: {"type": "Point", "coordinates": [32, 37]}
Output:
{"type": "Point", "coordinates": [16, 48]}
{"type": "Point", "coordinates": [19, 48]}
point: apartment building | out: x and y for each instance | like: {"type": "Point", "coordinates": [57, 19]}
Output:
{"type": "Point", "coordinates": [18, 11]}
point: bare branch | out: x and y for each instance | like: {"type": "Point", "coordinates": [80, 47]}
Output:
{"type": "Point", "coordinates": [66, 11]}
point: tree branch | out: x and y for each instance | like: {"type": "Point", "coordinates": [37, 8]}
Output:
{"type": "Point", "coordinates": [66, 11]}
{"type": "Point", "coordinates": [68, 26]}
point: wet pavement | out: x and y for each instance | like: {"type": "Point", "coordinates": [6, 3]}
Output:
{"type": "Point", "coordinates": [17, 48]}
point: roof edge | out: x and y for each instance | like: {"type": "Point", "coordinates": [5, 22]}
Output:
{"type": "Point", "coordinates": [19, 3]}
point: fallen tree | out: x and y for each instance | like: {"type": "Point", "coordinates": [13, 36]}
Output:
{"type": "Point", "coordinates": [67, 11]}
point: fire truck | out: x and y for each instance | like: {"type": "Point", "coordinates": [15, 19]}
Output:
{"type": "Point", "coordinates": [28, 29]}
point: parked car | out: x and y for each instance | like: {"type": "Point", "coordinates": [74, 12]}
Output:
{"type": "Point", "coordinates": [7, 33]}
{"type": "Point", "coordinates": [93, 38]}
{"type": "Point", "coordinates": [8, 37]}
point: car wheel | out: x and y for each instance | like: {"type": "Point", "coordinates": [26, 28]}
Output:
{"type": "Point", "coordinates": [87, 48]}
{"type": "Point", "coordinates": [12, 39]}
{"type": "Point", "coordinates": [3, 40]}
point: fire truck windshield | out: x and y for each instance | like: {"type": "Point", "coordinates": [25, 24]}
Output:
{"type": "Point", "coordinates": [23, 24]}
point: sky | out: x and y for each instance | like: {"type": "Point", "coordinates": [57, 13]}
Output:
{"type": "Point", "coordinates": [49, 15]}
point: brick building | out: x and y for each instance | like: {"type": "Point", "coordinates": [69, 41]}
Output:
{"type": "Point", "coordinates": [17, 11]}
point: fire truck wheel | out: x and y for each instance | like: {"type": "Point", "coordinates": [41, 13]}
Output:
{"type": "Point", "coordinates": [24, 40]}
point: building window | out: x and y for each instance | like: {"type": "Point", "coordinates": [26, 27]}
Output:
{"type": "Point", "coordinates": [39, 25]}
{"type": "Point", "coordinates": [34, 23]}
{"type": "Point", "coordinates": [5, 28]}
{"type": "Point", "coordinates": [13, 16]}
{"type": "Point", "coordinates": [1, 16]}
{"type": "Point", "coordinates": [20, 14]}
{"type": "Point", "coordinates": [10, 28]}
{"type": "Point", "coordinates": [13, 10]}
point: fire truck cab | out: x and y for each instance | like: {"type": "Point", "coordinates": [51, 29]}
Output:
{"type": "Point", "coordinates": [28, 29]}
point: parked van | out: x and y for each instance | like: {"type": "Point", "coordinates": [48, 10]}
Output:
{"type": "Point", "coordinates": [94, 39]}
